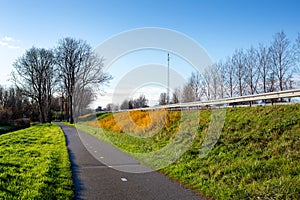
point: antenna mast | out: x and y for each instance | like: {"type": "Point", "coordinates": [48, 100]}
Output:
{"type": "Point", "coordinates": [168, 89]}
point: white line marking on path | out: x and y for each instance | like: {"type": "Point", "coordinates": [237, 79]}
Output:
{"type": "Point", "coordinates": [124, 179]}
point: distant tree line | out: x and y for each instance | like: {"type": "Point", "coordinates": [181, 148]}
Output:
{"type": "Point", "coordinates": [140, 102]}
{"type": "Point", "coordinates": [266, 68]}
{"type": "Point", "coordinates": [13, 105]}
{"type": "Point", "coordinates": [127, 104]}
{"type": "Point", "coordinates": [17, 110]}
{"type": "Point", "coordinates": [56, 83]}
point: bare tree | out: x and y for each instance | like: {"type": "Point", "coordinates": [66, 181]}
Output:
{"type": "Point", "coordinates": [12, 105]}
{"type": "Point", "coordinates": [196, 83]}
{"type": "Point", "coordinates": [124, 105]}
{"type": "Point", "coordinates": [2, 91]}
{"type": "Point", "coordinates": [131, 104]}
{"type": "Point", "coordinates": [111, 107]}
{"type": "Point", "coordinates": [252, 70]}
{"type": "Point", "coordinates": [89, 79]}
{"type": "Point", "coordinates": [82, 100]}
{"type": "Point", "coordinates": [34, 75]}
{"type": "Point", "coordinates": [282, 58]}
{"type": "Point", "coordinates": [229, 78]}
{"type": "Point", "coordinates": [163, 99]}
{"type": "Point", "coordinates": [176, 96]}
{"type": "Point", "coordinates": [221, 68]}
{"type": "Point", "coordinates": [188, 94]}
{"type": "Point", "coordinates": [238, 62]}
{"type": "Point", "coordinates": [70, 56]}
{"type": "Point", "coordinates": [79, 70]}
{"type": "Point", "coordinates": [271, 82]}
{"type": "Point", "coordinates": [141, 102]}
{"type": "Point", "coordinates": [214, 82]}
{"type": "Point", "coordinates": [297, 47]}
{"type": "Point", "coordinates": [264, 66]}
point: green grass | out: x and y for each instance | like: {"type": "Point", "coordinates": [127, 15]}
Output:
{"type": "Point", "coordinates": [5, 128]}
{"type": "Point", "coordinates": [256, 157]}
{"type": "Point", "coordinates": [34, 164]}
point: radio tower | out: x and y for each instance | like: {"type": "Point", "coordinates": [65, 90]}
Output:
{"type": "Point", "coordinates": [168, 89]}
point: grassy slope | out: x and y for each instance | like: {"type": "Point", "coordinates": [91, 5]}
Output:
{"type": "Point", "coordinates": [34, 164]}
{"type": "Point", "coordinates": [257, 155]}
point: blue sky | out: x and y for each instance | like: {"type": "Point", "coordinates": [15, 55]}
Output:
{"type": "Point", "coordinates": [220, 26]}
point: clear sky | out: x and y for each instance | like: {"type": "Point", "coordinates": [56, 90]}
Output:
{"type": "Point", "coordinates": [220, 26]}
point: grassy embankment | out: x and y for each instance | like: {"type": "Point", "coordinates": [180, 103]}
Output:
{"type": "Point", "coordinates": [256, 157]}
{"type": "Point", "coordinates": [34, 164]}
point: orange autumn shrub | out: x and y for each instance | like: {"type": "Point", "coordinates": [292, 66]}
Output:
{"type": "Point", "coordinates": [109, 123]}
{"type": "Point", "coordinates": [140, 118]}
{"type": "Point", "coordinates": [141, 123]}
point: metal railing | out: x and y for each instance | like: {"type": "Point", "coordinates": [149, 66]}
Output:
{"type": "Point", "coordinates": [225, 102]}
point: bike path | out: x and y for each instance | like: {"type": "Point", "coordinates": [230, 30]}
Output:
{"type": "Point", "coordinates": [94, 165]}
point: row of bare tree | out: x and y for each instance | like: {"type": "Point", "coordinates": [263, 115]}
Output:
{"type": "Point", "coordinates": [255, 70]}
{"type": "Point", "coordinates": [71, 71]}
{"type": "Point", "coordinates": [140, 102]}
{"type": "Point", "coordinates": [127, 104]}
{"type": "Point", "coordinates": [13, 105]}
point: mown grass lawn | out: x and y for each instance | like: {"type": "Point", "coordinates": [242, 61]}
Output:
{"type": "Point", "coordinates": [256, 157]}
{"type": "Point", "coordinates": [34, 164]}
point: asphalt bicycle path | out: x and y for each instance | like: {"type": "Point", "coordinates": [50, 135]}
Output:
{"type": "Point", "coordinates": [95, 180]}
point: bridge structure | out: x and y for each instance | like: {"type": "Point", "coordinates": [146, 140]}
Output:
{"type": "Point", "coordinates": [249, 100]}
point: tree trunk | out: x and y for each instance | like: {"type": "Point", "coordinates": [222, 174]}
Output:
{"type": "Point", "coordinates": [71, 109]}
{"type": "Point", "coordinates": [41, 113]}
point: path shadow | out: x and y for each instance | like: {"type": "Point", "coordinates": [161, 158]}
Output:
{"type": "Point", "coordinates": [78, 186]}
